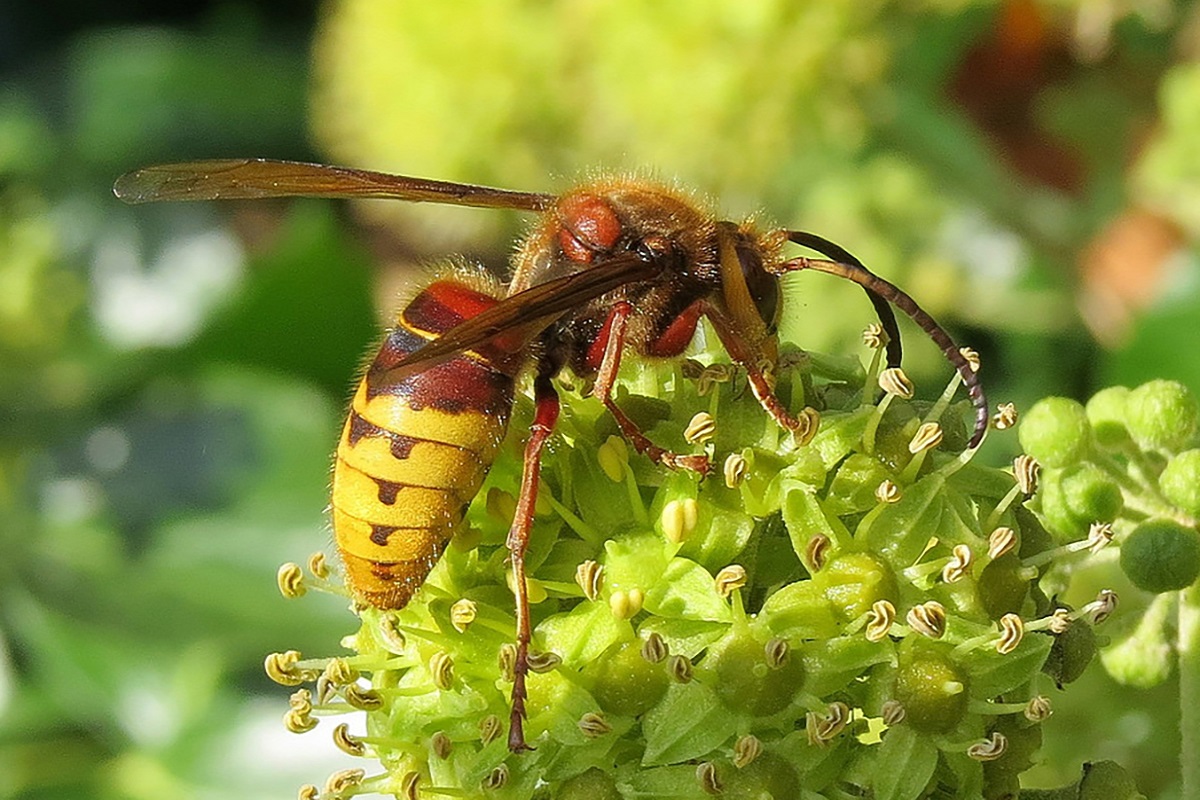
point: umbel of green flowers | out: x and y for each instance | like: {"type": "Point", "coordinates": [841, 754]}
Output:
{"type": "Point", "coordinates": [858, 616]}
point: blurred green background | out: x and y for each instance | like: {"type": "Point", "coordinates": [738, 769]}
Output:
{"type": "Point", "coordinates": [172, 377]}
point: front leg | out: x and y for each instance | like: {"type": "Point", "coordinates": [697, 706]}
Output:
{"type": "Point", "coordinates": [613, 338]}
{"type": "Point", "coordinates": [802, 427]}
{"type": "Point", "coordinates": [545, 415]}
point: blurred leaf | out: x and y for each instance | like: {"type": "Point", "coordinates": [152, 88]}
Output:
{"type": "Point", "coordinates": [145, 94]}
{"type": "Point", "coordinates": [306, 308]}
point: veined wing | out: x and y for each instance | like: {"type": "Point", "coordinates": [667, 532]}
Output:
{"type": "Point", "coordinates": [252, 178]}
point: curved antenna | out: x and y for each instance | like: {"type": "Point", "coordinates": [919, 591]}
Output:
{"type": "Point", "coordinates": [893, 294]}
{"type": "Point", "coordinates": [254, 178]}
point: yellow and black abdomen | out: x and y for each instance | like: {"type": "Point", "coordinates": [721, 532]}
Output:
{"type": "Point", "coordinates": [415, 449]}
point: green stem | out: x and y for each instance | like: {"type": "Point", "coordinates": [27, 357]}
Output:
{"type": "Point", "coordinates": [1189, 689]}
{"type": "Point", "coordinates": [868, 439]}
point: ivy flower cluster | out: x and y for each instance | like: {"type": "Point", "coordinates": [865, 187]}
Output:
{"type": "Point", "coordinates": [861, 613]}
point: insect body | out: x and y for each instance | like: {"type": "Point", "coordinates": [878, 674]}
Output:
{"type": "Point", "coordinates": [415, 449]}
{"type": "Point", "coordinates": [613, 265]}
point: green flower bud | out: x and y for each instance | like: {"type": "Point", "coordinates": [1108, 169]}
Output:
{"type": "Point", "coordinates": [1055, 432]}
{"type": "Point", "coordinates": [1073, 650]}
{"type": "Point", "coordinates": [766, 776]}
{"type": "Point", "coordinates": [1106, 412]}
{"type": "Point", "coordinates": [931, 686]}
{"type": "Point", "coordinates": [1107, 780]}
{"type": "Point", "coordinates": [853, 582]}
{"type": "Point", "coordinates": [625, 683]}
{"type": "Point", "coordinates": [745, 681]}
{"type": "Point", "coordinates": [1180, 481]}
{"type": "Point", "coordinates": [1161, 556]}
{"type": "Point", "coordinates": [1162, 415]}
{"type": "Point", "coordinates": [1024, 740]}
{"type": "Point", "coordinates": [1056, 512]}
{"type": "Point", "coordinates": [1090, 494]}
{"type": "Point", "coordinates": [1002, 587]}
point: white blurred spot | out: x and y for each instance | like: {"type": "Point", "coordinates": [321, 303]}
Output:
{"type": "Point", "coordinates": [146, 712]}
{"type": "Point", "coordinates": [69, 500]}
{"type": "Point", "coordinates": [107, 449]}
{"type": "Point", "coordinates": [264, 754]}
{"type": "Point", "coordinates": [162, 303]}
{"type": "Point", "coordinates": [986, 251]}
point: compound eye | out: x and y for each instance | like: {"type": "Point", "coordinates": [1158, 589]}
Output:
{"type": "Point", "coordinates": [652, 247]}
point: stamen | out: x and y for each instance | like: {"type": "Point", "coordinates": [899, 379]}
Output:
{"type": "Point", "coordinates": [497, 778]}
{"type": "Point", "coordinates": [441, 667]}
{"type": "Point", "coordinates": [745, 750]}
{"type": "Point", "coordinates": [283, 669]}
{"type": "Point", "coordinates": [679, 518]}
{"type": "Point", "coordinates": [735, 470]}
{"type": "Point", "coordinates": [960, 564]}
{"type": "Point", "coordinates": [362, 699]}
{"type": "Point", "coordinates": [463, 613]}
{"type": "Point", "coordinates": [347, 743]}
{"type": "Point", "coordinates": [927, 437]}
{"type": "Point", "coordinates": [893, 713]}
{"type": "Point", "coordinates": [706, 776]}
{"type": "Point", "coordinates": [543, 662]}
{"type": "Point", "coordinates": [888, 492]}
{"type": "Point", "coordinates": [701, 429]}
{"type": "Point", "coordinates": [778, 652]}
{"type": "Point", "coordinates": [874, 336]}
{"type": "Point", "coordinates": [441, 745]}
{"type": "Point", "coordinates": [1012, 630]}
{"type": "Point", "coordinates": [590, 577]}
{"type": "Point", "coordinates": [1026, 470]}
{"type": "Point", "coordinates": [290, 580]}
{"type": "Point", "coordinates": [1102, 607]}
{"type": "Point", "coordinates": [594, 725]}
{"type": "Point", "coordinates": [971, 356]}
{"type": "Point", "coordinates": [680, 668]}
{"type": "Point", "coordinates": [990, 749]}
{"type": "Point", "coordinates": [613, 457]}
{"type": "Point", "coordinates": [1005, 416]}
{"type": "Point", "coordinates": [879, 620]}
{"type": "Point", "coordinates": [318, 565]}
{"type": "Point", "coordinates": [343, 783]}
{"type": "Point", "coordinates": [339, 672]}
{"type": "Point", "coordinates": [894, 381]}
{"type": "Point", "coordinates": [816, 553]}
{"type": "Point", "coordinates": [507, 657]}
{"type": "Point", "coordinates": [654, 649]}
{"type": "Point", "coordinates": [928, 619]}
{"type": "Point", "coordinates": [626, 604]}
{"type": "Point", "coordinates": [1099, 535]}
{"type": "Point", "coordinates": [489, 728]}
{"type": "Point", "coordinates": [1000, 542]}
{"type": "Point", "coordinates": [730, 579]}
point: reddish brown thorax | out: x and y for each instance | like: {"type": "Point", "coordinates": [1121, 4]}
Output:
{"type": "Point", "coordinates": [588, 225]}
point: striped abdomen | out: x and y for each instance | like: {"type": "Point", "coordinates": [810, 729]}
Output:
{"type": "Point", "coordinates": [416, 448]}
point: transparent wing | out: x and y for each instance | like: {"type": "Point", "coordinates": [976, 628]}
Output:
{"type": "Point", "coordinates": [252, 178]}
